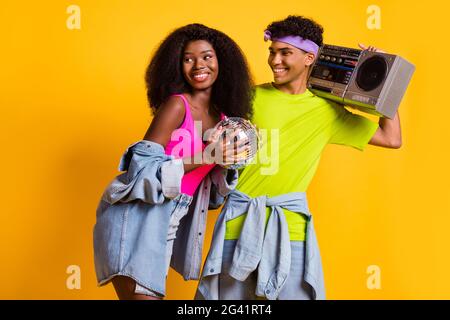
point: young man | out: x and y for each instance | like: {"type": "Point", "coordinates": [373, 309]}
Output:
{"type": "Point", "coordinates": [264, 243]}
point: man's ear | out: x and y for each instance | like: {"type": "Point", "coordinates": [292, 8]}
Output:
{"type": "Point", "coordinates": [309, 59]}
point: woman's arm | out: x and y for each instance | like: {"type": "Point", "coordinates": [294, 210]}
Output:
{"type": "Point", "coordinates": [168, 118]}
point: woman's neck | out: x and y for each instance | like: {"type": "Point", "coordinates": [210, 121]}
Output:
{"type": "Point", "coordinates": [200, 99]}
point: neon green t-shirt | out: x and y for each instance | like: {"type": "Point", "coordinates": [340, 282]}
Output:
{"type": "Point", "coordinates": [301, 125]}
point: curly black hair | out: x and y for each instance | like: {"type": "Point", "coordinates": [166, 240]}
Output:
{"type": "Point", "coordinates": [297, 26]}
{"type": "Point", "coordinates": [232, 92]}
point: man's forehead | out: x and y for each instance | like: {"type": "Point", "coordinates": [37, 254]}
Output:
{"type": "Point", "coordinates": [278, 45]}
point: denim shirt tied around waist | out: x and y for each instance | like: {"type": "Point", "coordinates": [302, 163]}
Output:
{"type": "Point", "coordinates": [151, 181]}
{"type": "Point", "coordinates": [263, 248]}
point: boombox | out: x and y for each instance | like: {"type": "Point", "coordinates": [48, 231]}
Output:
{"type": "Point", "coordinates": [372, 82]}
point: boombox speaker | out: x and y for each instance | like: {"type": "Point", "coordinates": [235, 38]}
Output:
{"type": "Point", "coordinates": [372, 82]}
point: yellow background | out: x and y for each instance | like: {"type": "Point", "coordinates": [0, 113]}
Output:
{"type": "Point", "coordinates": [73, 100]}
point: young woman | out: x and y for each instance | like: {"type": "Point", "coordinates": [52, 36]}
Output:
{"type": "Point", "coordinates": [196, 77]}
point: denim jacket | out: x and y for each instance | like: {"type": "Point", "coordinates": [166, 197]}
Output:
{"type": "Point", "coordinates": [133, 217]}
{"type": "Point", "coordinates": [261, 247]}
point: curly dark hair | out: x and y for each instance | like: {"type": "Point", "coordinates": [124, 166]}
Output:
{"type": "Point", "coordinates": [297, 26]}
{"type": "Point", "coordinates": [232, 92]}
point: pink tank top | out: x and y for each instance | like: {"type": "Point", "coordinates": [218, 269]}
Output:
{"type": "Point", "coordinates": [185, 141]}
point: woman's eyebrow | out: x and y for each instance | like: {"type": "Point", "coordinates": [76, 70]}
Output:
{"type": "Point", "coordinates": [187, 52]}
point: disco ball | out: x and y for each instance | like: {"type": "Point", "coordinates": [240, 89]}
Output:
{"type": "Point", "coordinates": [242, 131]}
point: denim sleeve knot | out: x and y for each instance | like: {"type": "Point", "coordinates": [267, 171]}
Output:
{"type": "Point", "coordinates": [150, 175]}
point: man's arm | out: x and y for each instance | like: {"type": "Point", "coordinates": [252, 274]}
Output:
{"type": "Point", "coordinates": [388, 134]}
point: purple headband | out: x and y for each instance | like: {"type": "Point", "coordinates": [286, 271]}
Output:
{"type": "Point", "coordinates": [296, 41]}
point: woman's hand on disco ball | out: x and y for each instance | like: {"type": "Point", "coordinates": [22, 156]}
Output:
{"type": "Point", "coordinates": [225, 147]}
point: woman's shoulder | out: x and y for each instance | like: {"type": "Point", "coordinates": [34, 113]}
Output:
{"type": "Point", "coordinates": [175, 103]}
{"type": "Point", "coordinates": [171, 114]}
{"type": "Point", "coordinates": [174, 106]}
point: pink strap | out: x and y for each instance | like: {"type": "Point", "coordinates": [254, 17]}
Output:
{"type": "Point", "coordinates": [188, 121]}
{"type": "Point", "coordinates": [188, 111]}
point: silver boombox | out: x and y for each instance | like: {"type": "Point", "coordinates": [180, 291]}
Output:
{"type": "Point", "coordinates": [372, 82]}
